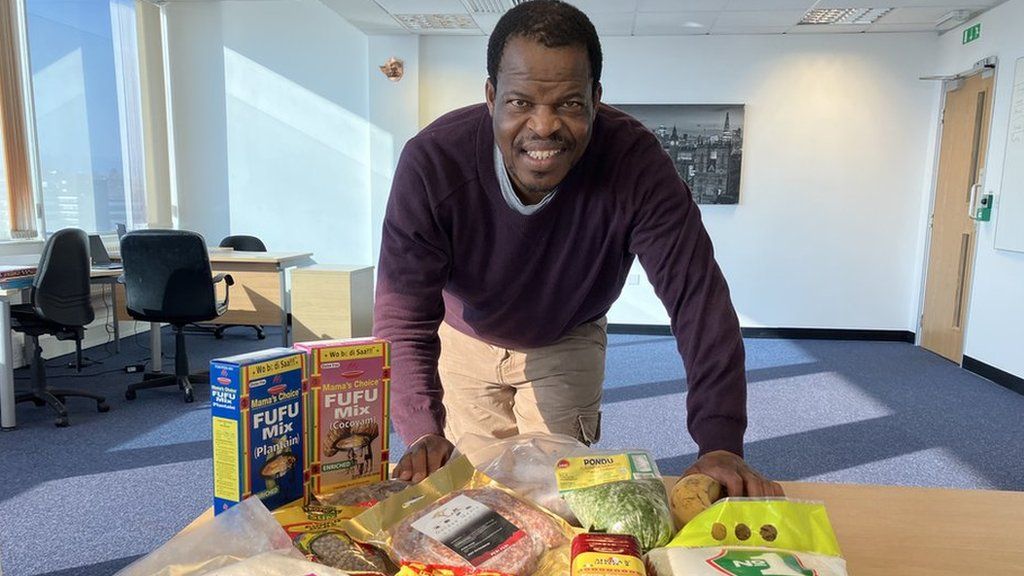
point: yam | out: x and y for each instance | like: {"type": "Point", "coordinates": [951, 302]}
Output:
{"type": "Point", "coordinates": [692, 495]}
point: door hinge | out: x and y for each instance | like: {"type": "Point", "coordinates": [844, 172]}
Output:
{"type": "Point", "coordinates": [931, 221]}
{"type": "Point", "coordinates": [942, 116]}
{"type": "Point", "coordinates": [921, 325]}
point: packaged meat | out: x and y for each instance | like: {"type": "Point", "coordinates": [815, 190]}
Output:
{"type": "Point", "coordinates": [459, 521]}
{"type": "Point", "coordinates": [619, 493]}
{"type": "Point", "coordinates": [606, 555]}
{"type": "Point", "coordinates": [525, 464]}
{"type": "Point", "coordinates": [365, 496]}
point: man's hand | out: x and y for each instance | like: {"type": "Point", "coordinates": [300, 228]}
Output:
{"type": "Point", "coordinates": [734, 474]}
{"type": "Point", "coordinates": [423, 457]}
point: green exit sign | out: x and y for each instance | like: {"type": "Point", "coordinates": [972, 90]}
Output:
{"type": "Point", "coordinates": [973, 33]}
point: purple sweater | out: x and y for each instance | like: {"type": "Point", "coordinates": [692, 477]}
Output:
{"type": "Point", "coordinates": [453, 249]}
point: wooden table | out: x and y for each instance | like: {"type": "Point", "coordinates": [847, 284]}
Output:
{"type": "Point", "coordinates": [899, 531]}
{"type": "Point", "coordinates": [260, 294]}
{"type": "Point", "coordinates": [889, 530]}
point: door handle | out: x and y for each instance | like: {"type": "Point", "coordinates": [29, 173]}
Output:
{"type": "Point", "coordinates": [972, 200]}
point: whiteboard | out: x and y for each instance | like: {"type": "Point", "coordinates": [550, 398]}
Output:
{"type": "Point", "coordinates": [1010, 211]}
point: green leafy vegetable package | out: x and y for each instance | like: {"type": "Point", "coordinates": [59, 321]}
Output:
{"type": "Point", "coordinates": [617, 493]}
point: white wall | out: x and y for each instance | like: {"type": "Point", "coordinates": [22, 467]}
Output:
{"type": "Point", "coordinates": [196, 85]}
{"type": "Point", "coordinates": [837, 159]}
{"type": "Point", "coordinates": [995, 324]}
{"type": "Point", "coordinates": [272, 137]}
{"type": "Point", "coordinates": [394, 118]}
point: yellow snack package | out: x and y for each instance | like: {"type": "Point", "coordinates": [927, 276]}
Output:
{"type": "Point", "coordinates": [753, 537]}
{"type": "Point", "coordinates": [796, 525]}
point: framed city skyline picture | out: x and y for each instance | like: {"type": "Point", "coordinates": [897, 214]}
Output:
{"type": "Point", "coordinates": [704, 141]}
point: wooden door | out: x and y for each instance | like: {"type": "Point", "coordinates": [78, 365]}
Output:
{"type": "Point", "coordinates": [965, 124]}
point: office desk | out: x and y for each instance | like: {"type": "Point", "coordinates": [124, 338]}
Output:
{"type": "Point", "coordinates": [7, 407]}
{"type": "Point", "coordinates": [886, 530]}
{"type": "Point", "coordinates": [260, 294]}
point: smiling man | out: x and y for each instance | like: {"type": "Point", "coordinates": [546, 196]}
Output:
{"type": "Point", "coordinates": [509, 233]}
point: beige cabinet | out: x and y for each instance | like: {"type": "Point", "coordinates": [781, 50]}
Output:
{"type": "Point", "coordinates": [331, 302]}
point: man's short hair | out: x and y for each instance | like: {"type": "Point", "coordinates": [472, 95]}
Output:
{"type": "Point", "coordinates": [552, 23]}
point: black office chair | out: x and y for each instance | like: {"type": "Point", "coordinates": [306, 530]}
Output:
{"type": "Point", "coordinates": [61, 305]}
{"type": "Point", "coordinates": [167, 278]}
{"type": "Point", "coordinates": [242, 244]}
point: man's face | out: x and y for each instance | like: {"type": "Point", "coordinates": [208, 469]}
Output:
{"type": "Point", "coordinates": [543, 110]}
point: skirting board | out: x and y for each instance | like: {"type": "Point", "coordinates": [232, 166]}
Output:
{"type": "Point", "coordinates": [786, 333]}
{"type": "Point", "coordinates": [1004, 379]}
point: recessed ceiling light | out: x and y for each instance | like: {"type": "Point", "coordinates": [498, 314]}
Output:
{"type": "Point", "coordinates": [692, 25]}
{"type": "Point", "coordinates": [416, 22]}
{"type": "Point", "coordinates": [844, 15]}
{"type": "Point", "coordinates": [825, 15]}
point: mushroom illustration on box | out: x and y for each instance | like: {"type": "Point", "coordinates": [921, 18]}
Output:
{"type": "Point", "coordinates": [348, 411]}
{"type": "Point", "coordinates": [257, 401]}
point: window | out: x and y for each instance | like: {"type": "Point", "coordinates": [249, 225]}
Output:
{"type": "Point", "coordinates": [5, 214]}
{"type": "Point", "coordinates": [17, 213]}
{"type": "Point", "coordinates": [85, 98]}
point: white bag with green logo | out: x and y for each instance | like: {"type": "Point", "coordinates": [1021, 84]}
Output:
{"type": "Point", "coordinates": [753, 537]}
{"type": "Point", "coordinates": [741, 562]}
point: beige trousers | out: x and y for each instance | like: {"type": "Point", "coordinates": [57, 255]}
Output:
{"type": "Point", "coordinates": [497, 392]}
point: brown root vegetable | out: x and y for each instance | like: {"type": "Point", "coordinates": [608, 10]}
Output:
{"type": "Point", "coordinates": [692, 495]}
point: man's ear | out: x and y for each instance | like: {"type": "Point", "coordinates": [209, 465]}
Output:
{"type": "Point", "coordinates": [597, 95]}
{"type": "Point", "coordinates": [489, 93]}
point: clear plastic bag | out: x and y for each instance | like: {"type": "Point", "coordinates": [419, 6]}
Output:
{"type": "Point", "coordinates": [276, 564]}
{"type": "Point", "coordinates": [526, 464]}
{"type": "Point", "coordinates": [246, 537]}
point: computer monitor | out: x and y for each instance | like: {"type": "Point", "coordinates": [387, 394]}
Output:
{"type": "Point", "coordinates": [98, 253]}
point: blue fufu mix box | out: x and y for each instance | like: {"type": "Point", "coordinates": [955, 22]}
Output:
{"type": "Point", "coordinates": [258, 405]}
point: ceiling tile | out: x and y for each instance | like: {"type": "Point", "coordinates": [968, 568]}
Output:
{"type": "Point", "coordinates": [605, 6]}
{"type": "Point", "coordinates": [668, 23]}
{"type": "Point", "coordinates": [881, 27]}
{"type": "Point", "coordinates": [975, 4]}
{"type": "Point", "coordinates": [365, 15]}
{"type": "Point", "coordinates": [915, 15]}
{"type": "Point", "coordinates": [829, 29]}
{"type": "Point", "coordinates": [749, 30]}
{"type": "Point", "coordinates": [423, 6]}
{"type": "Point", "coordinates": [765, 5]}
{"type": "Point", "coordinates": [681, 5]}
{"type": "Point", "coordinates": [613, 24]}
{"type": "Point", "coordinates": [486, 22]}
{"type": "Point", "coordinates": [451, 32]}
{"type": "Point", "coordinates": [759, 18]}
